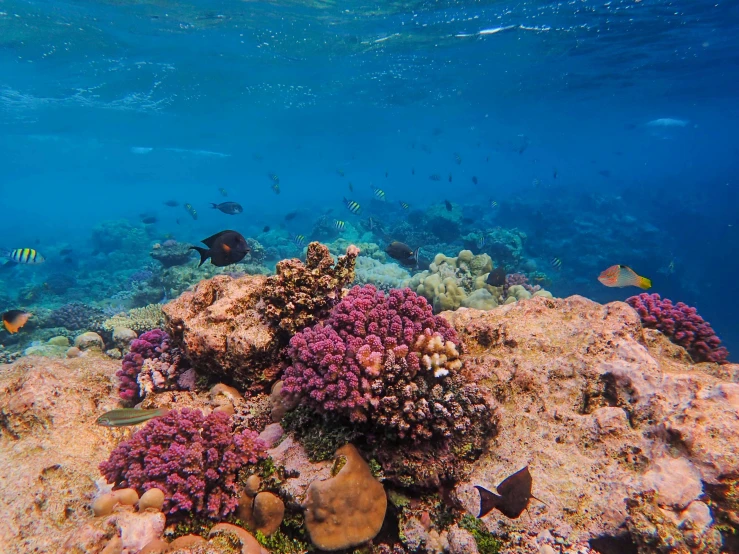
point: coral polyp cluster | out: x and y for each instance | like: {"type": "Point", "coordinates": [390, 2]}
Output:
{"type": "Point", "coordinates": [387, 361]}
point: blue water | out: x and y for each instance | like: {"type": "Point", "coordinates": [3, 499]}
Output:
{"type": "Point", "coordinates": [108, 110]}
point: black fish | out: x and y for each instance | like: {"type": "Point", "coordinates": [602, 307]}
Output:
{"type": "Point", "coordinates": [224, 248]}
{"type": "Point", "coordinates": [496, 278]}
{"type": "Point", "coordinates": [413, 171]}
{"type": "Point", "coordinates": [448, 205]}
{"type": "Point", "coordinates": [230, 208]}
{"type": "Point", "coordinates": [266, 229]}
{"type": "Point", "coordinates": [515, 494]}
{"type": "Point", "coordinates": [172, 203]}
{"type": "Point", "coordinates": [403, 253]}
{"type": "Point", "coordinates": [290, 216]}
{"type": "Point", "coordinates": [474, 180]}
{"type": "Point", "coordinates": [554, 173]}
{"type": "Point", "coordinates": [148, 219]}
{"type": "Point", "coordinates": [604, 172]}
{"type": "Point", "coordinates": [450, 177]}
{"type": "Point", "coordinates": [386, 174]}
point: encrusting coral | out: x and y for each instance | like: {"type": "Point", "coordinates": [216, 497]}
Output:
{"type": "Point", "coordinates": [192, 458]}
{"type": "Point", "coordinates": [138, 319]}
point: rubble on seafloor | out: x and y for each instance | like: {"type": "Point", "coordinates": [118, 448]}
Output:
{"type": "Point", "coordinates": [632, 447]}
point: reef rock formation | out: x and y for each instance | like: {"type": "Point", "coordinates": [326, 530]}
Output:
{"type": "Point", "coordinates": [602, 411]}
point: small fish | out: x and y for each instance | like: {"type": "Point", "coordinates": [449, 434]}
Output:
{"type": "Point", "coordinates": [27, 256]}
{"type": "Point", "coordinates": [450, 177]}
{"type": "Point", "coordinates": [536, 182]}
{"type": "Point", "coordinates": [298, 240]}
{"type": "Point", "coordinates": [623, 276]}
{"type": "Point", "coordinates": [413, 171]}
{"type": "Point", "coordinates": [435, 177]}
{"type": "Point", "coordinates": [556, 263]}
{"type": "Point", "coordinates": [224, 248]}
{"type": "Point", "coordinates": [493, 203]}
{"type": "Point", "coordinates": [339, 225]}
{"type": "Point", "coordinates": [474, 180]}
{"type": "Point", "coordinates": [191, 211]}
{"type": "Point", "coordinates": [554, 173]}
{"type": "Point", "coordinates": [351, 187]}
{"type": "Point", "coordinates": [223, 192]}
{"type": "Point", "coordinates": [481, 241]}
{"type": "Point", "coordinates": [514, 495]}
{"type": "Point", "coordinates": [291, 215]}
{"type": "Point", "coordinates": [387, 173]}
{"type": "Point", "coordinates": [605, 172]}
{"type": "Point", "coordinates": [65, 251]}
{"type": "Point", "coordinates": [379, 193]}
{"type": "Point", "coordinates": [671, 267]}
{"type": "Point", "coordinates": [457, 158]}
{"type": "Point", "coordinates": [352, 206]}
{"type": "Point", "coordinates": [448, 205]}
{"type": "Point", "coordinates": [13, 320]}
{"type": "Point", "coordinates": [496, 278]}
{"type": "Point", "coordinates": [265, 229]}
{"type": "Point", "coordinates": [122, 417]}
{"type": "Point", "coordinates": [257, 157]}
{"type": "Point", "coordinates": [230, 208]}
{"type": "Point", "coordinates": [404, 205]}
{"type": "Point", "coordinates": [487, 159]}
{"type": "Point", "coordinates": [148, 219]}
{"type": "Point", "coordinates": [403, 253]}
{"type": "Point", "coordinates": [274, 177]}
{"type": "Point", "coordinates": [340, 172]}
{"type": "Point", "coordinates": [172, 203]}
{"type": "Point", "coordinates": [276, 187]}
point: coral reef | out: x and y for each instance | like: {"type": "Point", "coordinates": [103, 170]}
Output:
{"type": "Point", "coordinates": [383, 276]}
{"type": "Point", "coordinates": [138, 319]}
{"type": "Point", "coordinates": [682, 325]}
{"type": "Point", "coordinates": [152, 364]}
{"type": "Point", "coordinates": [192, 458]}
{"type": "Point", "coordinates": [299, 295]}
{"type": "Point", "coordinates": [171, 253]}
{"type": "Point", "coordinates": [77, 316]}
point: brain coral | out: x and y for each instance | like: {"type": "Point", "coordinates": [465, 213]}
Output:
{"type": "Point", "coordinates": [192, 458]}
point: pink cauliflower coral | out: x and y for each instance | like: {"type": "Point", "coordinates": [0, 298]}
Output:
{"type": "Point", "coordinates": [386, 360]}
{"type": "Point", "coordinates": [682, 325]}
{"type": "Point", "coordinates": [192, 458]}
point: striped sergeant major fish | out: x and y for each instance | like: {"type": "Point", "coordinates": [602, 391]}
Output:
{"type": "Point", "coordinates": [352, 206]}
{"type": "Point", "coordinates": [24, 256]}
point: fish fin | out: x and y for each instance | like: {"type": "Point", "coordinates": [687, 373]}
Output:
{"type": "Point", "coordinates": [210, 240]}
{"type": "Point", "coordinates": [488, 501]}
{"type": "Point", "coordinates": [214, 206]}
{"type": "Point", "coordinates": [644, 283]}
{"type": "Point", "coordinates": [415, 256]}
{"type": "Point", "coordinates": [204, 254]}
{"type": "Point", "coordinates": [539, 500]}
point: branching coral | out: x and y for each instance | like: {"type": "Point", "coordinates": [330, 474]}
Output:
{"type": "Point", "coordinates": [299, 295]}
{"type": "Point", "coordinates": [192, 458]}
{"type": "Point", "coordinates": [682, 325]}
{"type": "Point", "coordinates": [388, 361]}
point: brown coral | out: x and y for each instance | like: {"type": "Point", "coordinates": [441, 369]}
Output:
{"type": "Point", "coordinates": [299, 295]}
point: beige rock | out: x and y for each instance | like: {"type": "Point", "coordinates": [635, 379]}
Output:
{"type": "Point", "coordinates": [153, 498]}
{"type": "Point", "coordinates": [89, 341]}
{"type": "Point", "coordinates": [346, 510]}
{"type": "Point", "coordinates": [676, 482]}
{"type": "Point", "coordinates": [157, 546]}
{"type": "Point", "coordinates": [281, 404]}
{"type": "Point", "coordinates": [104, 504]}
{"type": "Point", "coordinates": [139, 529]}
{"type": "Point", "coordinates": [114, 546]}
{"type": "Point", "coordinates": [127, 497]}
{"type": "Point", "coordinates": [73, 352]}
{"type": "Point", "coordinates": [123, 337]}
{"type": "Point", "coordinates": [269, 510]}
{"type": "Point", "coordinates": [187, 541]}
{"type": "Point", "coordinates": [60, 340]}
{"type": "Point", "coordinates": [249, 545]}
{"type": "Point", "coordinates": [114, 353]}
{"type": "Point", "coordinates": [251, 487]}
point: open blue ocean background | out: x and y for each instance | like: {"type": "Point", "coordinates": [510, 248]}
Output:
{"type": "Point", "coordinates": [607, 131]}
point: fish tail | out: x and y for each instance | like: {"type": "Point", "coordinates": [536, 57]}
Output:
{"type": "Point", "coordinates": [644, 283]}
{"type": "Point", "coordinates": [214, 206]}
{"type": "Point", "coordinates": [204, 254]}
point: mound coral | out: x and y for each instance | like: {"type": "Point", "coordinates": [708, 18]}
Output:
{"type": "Point", "coordinates": [162, 365]}
{"type": "Point", "coordinates": [682, 325]}
{"type": "Point", "coordinates": [139, 319]}
{"type": "Point", "coordinates": [76, 316]}
{"type": "Point", "coordinates": [388, 361]}
{"type": "Point", "coordinates": [299, 295]}
{"type": "Point", "coordinates": [192, 458]}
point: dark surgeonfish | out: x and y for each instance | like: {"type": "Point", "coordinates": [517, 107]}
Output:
{"type": "Point", "coordinates": [13, 320]}
{"type": "Point", "coordinates": [224, 248]}
{"type": "Point", "coordinates": [129, 416]}
{"type": "Point", "coordinates": [496, 278]}
{"type": "Point", "coordinates": [513, 497]}
{"type": "Point", "coordinates": [403, 253]}
{"type": "Point", "coordinates": [230, 208]}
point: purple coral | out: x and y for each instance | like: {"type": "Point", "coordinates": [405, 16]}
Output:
{"type": "Point", "coordinates": [192, 458]}
{"type": "Point", "coordinates": [682, 325]}
{"type": "Point", "coordinates": [150, 345]}
{"type": "Point", "coordinates": [373, 361]}
{"type": "Point", "coordinates": [518, 279]}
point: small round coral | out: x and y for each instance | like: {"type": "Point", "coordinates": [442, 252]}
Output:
{"type": "Point", "coordinates": [386, 360]}
{"type": "Point", "coordinates": [192, 458]}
